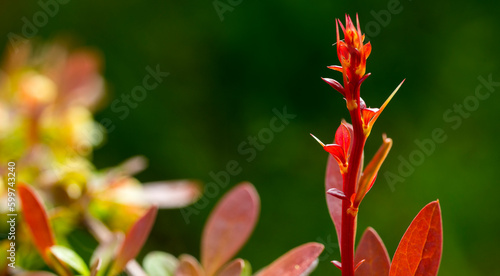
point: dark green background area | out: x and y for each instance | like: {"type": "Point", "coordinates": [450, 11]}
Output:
{"type": "Point", "coordinates": [227, 76]}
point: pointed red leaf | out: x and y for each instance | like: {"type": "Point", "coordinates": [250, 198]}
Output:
{"type": "Point", "coordinates": [298, 261]}
{"type": "Point", "coordinates": [373, 117]}
{"type": "Point", "coordinates": [335, 84]}
{"type": "Point", "coordinates": [229, 226]}
{"type": "Point", "coordinates": [333, 180]}
{"type": "Point", "coordinates": [189, 266]}
{"type": "Point", "coordinates": [370, 172]}
{"type": "Point", "coordinates": [234, 268]}
{"type": "Point", "coordinates": [368, 113]}
{"type": "Point", "coordinates": [419, 251]}
{"type": "Point", "coordinates": [337, 152]}
{"type": "Point", "coordinates": [134, 240]}
{"type": "Point", "coordinates": [367, 49]}
{"type": "Point", "coordinates": [37, 220]}
{"type": "Point", "coordinates": [363, 79]}
{"type": "Point", "coordinates": [373, 251]}
{"type": "Point", "coordinates": [336, 68]}
{"type": "Point", "coordinates": [343, 136]}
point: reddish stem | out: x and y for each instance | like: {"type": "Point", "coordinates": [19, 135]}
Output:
{"type": "Point", "coordinates": [349, 188]}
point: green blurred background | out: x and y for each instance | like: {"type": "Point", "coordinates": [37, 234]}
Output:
{"type": "Point", "coordinates": [226, 77]}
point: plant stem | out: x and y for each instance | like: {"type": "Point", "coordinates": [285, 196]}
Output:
{"type": "Point", "coordinates": [349, 188]}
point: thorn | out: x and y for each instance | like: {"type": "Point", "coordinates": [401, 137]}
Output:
{"type": "Point", "coordinates": [317, 140]}
{"type": "Point", "coordinates": [337, 42]}
{"type": "Point", "coordinates": [337, 193]}
{"type": "Point", "coordinates": [337, 264]}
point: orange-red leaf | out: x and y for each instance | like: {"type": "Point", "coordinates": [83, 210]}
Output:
{"type": "Point", "coordinates": [343, 137]}
{"type": "Point", "coordinates": [229, 226]}
{"type": "Point", "coordinates": [335, 85]}
{"type": "Point", "coordinates": [188, 266]}
{"type": "Point", "coordinates": [337, 151]}
{"type": "Point", "coordinates": [370, 173]}
{"type": "Point", "coordinates": [333, 179]}
{"type": "Point", "coordinates": [373, 251]}
{"type": "Point", "coordinates": [134, 240]}
{"type": "Point", "coordinates": [419, 251]}
{"type": "Point", "coordinates": [37, 220]}
{"type": "Point", "coordinates": [295, 262]}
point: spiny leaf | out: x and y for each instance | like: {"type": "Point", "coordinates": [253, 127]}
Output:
{"type": "Point", "coordinates": [70, 258]}
{"type": "Point", "coordinates": [419, 251]}
{"type": "Point", "coordinates": [343, 136]}
{"type": "Point", "coordinates": [373, 251]}
{"type": "Point", "coordinates": [229, 226]}
{"type": "Point", "coordinates": [296, 262]}
{"type": "Point", "coordinates": [134, 240]}
{"type": "Point", "coordinates": [373, 117]}
{"type": "Point", "coordinates": [37, 220]}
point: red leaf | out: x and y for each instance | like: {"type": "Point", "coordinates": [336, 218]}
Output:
{"type": "Point", "coordinates": [134, 240]}
{"type": "Point", "coordinates": [333, 180]}
{"type": "Point", "coordinates": [373, 251]}
{"type": "Point", "coordinates": [234, 268]}
{"type": "Point", "coordinates": [419, 251]}
{"type": "Point", "coordinates": [188, 266]}
{"type": "Point", "coordinates": [295, 262]}
{"type": "Point", "coordinates": [37, 220]}
{"type": "Point", "coordinates": [370, 172]}
{"type": "Point", "coordinates": [336, 68]}
{"type": "Point", "coordinates": [368, 114]}
{"type": "Point", "coordinates": [343, 137]}
{"type": "Point", "coordinates": [229, 226]}
{"type": "Point", "coordinates": [367, 49]}
{"type": "Point", "coordinates": [337, 151]}
{"type": "Point", "coordinates": [335, 85]}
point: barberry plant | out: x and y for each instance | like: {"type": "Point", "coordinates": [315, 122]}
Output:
{"type": "Point", "coordinates": [227, 229]}
{"type": "Point", "coordinates": [347, 181]}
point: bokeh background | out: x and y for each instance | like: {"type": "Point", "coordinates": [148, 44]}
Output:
{"type": "Point", "coordinates": [230, 69]}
